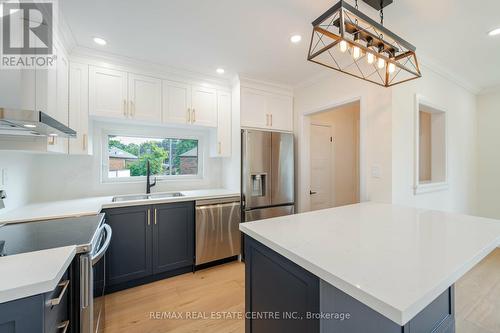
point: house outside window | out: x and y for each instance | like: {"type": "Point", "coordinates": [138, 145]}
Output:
{"type": "Point", "coordinates": [126, 157]}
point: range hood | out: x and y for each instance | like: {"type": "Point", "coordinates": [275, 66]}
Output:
{"type": "Point", "coordinates": [32, 123]}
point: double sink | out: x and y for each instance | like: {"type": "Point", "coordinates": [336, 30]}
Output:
{"type": "Point", "coordinates": [133, 197]}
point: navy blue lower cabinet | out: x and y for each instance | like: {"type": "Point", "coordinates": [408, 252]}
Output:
{"type": "Point", "coordinates": [279, 294]}
{"type": "Point", "coordinates": [173, 236]}
{"type": "Point", "coordinates": [149, 243]}
{"type": "Point", "coordinates": [129, 256]}
{"type": "Point", "coordinates": [42, 313]}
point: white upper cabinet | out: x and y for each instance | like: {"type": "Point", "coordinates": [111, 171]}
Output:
{"type": "Point", "coordinates": [280, 109]}
{"type": "Point", "coordinates": [144, 97]}
{"type": "Point", "coordinates": [187, 104]}
{"type": "Point", "coordinates": [204, 108]}
{"type": "Point", "coordinates": [223, 142]}
{"type": "Point", "coordinates": [266, 110]}
{"type": "Point", "coordinates": [79, 109]}
{"type": "Point", "coordinates": [176, 103]}
{"type": "Point", "coordinates": [108, 93]}
{"type": "Point", "coordinates": [254, 108]}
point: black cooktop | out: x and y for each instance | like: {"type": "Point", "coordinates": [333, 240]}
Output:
{"type": "Point", "coordinates": [41, 235]}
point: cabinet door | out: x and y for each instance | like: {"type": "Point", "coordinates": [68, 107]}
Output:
{"type": "Point", "coordinates": [129, 254]}
{"type": "Point", "coordinates": [79, 109]}
{"type": "Point", "coordinates": [173, 236]}
{"type": "Point", "coordinates": [46, 89]}
{"type": "Point", "coordinates": [223, 124]}
{"type": "Point", "coordinates": [107, 93]}
{"type": "Point", "coordinates": [254, 111]}
{"type": "Point", "coordinates": [280, 109]}
{"type": "Point", "coordinates": [176, 103]}
{"type": "Point", "coordinates": [144, 97]}
{"type": "Point", "coordinates": [58, 144]}
{"type": "Point", "coordinates": [204, 112]}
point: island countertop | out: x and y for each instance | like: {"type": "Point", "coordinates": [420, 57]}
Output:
{"type": "Point", "coordinates": [394, 259]}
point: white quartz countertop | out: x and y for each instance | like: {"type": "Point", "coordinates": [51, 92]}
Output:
{"type": "Point", "coordinates": [394, 259]}
{"type": "Point", "coordinates": [33, 273]}
{"type": "Point", "coordinates": [93, 205]}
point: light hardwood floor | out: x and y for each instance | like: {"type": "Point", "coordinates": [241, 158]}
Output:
{"type": "Point", "coordinates": [477, 299]}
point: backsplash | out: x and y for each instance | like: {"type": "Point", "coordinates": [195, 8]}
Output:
{"type": "Point", "coordinates": [17, 178]}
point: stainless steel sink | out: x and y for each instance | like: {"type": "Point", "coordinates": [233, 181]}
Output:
{"type": "Point", "coordinates": [133, 197]}
{"type": "Point", "coordinates": [166, 195]}
{"type": "Point", "coordinates": [130, 197]}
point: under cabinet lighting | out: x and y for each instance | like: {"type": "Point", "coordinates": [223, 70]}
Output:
{"type": "Point", "coordinates": [29, 126]}
{"type": "Point", "coordinates": [220, 71]}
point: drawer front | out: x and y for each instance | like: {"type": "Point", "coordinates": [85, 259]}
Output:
{"type": "Point", "coordinates": [56, 311]}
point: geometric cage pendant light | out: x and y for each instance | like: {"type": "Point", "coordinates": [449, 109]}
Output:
{"type": "Point", "coordinates": [346, 40]}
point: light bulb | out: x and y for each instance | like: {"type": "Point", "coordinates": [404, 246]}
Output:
{"type": "Point", "coordinates": [356, 52]}
{"type": "Point", "coordinates": [392, 68]}
{"type": "Point", "coordinates": [343, 46]}
{"type": "Point", "coordinates": [370, 58]}
{"type": "Point", "coordinates": [380, 63]}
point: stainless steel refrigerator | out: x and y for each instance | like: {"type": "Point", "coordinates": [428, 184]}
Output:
{"type": "Point", "coordinates": [267, 174]}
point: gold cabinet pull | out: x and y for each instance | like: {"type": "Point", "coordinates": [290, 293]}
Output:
{"type": "Point", "coordinates": [155, 215]}
{"type": "Point", "coordinates": [84, 142]}
{"type": "Point", "coordinates": [125, 107]}
{"type": "Point", "coordinates": [56, 301]}
{"type": "Point", "coordinates": [194, 115]}
{"type": "Point", "coordinates": [271, 116]}
{"type": "Point", "coordinates": [132, 109]}
{"type": "Point", "coordinates": [267, 119]}
{"type": "Point", "coordinates": [64, 326]}
{"type": "Point", "coordinates": [220, 147]}
{"type": "Point", "coordinates": [189, 115]}
{"type": "Point", "coordinates": [149, 216]}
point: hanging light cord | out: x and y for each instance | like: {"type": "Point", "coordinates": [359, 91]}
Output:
{"type": "Point", "coordinates": [356, 1]}
{"type": "Point", "coordinates": [381, 12]}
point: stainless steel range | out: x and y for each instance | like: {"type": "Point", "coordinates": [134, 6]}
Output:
{"type": "Point", "coordinates": [87, 272]}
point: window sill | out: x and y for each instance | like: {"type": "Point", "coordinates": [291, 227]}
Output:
{"type": "Point", "coordinates": [430, 187]}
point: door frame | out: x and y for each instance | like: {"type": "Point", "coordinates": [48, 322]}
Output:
{"type": "Point", "coordinates": [332, 162]}
{"type": "Point", "coordinates": [306, 137]}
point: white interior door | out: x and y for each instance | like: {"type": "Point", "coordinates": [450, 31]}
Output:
{"type": "Point", "coordinates": [321, 167]}
{"type": "Point", "coordinates": [144, 97]}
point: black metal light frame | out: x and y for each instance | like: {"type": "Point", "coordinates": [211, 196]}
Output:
{"type": "Point", "coordinates": [344, 22]}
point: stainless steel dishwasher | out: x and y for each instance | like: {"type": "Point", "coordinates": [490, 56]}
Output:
{"type": "Point", "coordinates": [217, 229]}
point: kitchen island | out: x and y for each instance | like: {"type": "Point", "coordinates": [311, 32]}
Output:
{"type": "Point", "coordinates": [362, 268]}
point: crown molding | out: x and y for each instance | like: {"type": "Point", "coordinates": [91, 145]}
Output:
{"type": "Point", "coordinates": [275, 87]}
{"type": "Point", "coordinates": [111, 60]}
{"type": "Point", "coordinates": [490, 90]}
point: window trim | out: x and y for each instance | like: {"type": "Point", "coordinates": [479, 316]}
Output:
{"type": "Point", "coordinates": [418, 187]}
{"type": "Point", "coordinates": [105, 133]}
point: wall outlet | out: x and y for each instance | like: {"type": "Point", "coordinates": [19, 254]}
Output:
{"type": "Point", "coordinates": [376, 173]}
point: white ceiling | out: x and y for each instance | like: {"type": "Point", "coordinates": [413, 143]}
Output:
{"type": "Point", "coordinates": [251, 37]}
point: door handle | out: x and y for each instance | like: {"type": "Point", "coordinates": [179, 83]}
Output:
{"type": "Point", "coordinates": [312, 192]}
{"type": "Point", "coordinates": [155, 216]}
{"type": "Point", "coordinates": [149, 216]}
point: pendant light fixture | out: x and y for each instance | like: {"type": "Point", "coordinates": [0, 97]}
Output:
{"type": "Point", "coordinates": [346, 40]}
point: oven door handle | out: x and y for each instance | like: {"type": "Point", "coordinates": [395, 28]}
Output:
{"type": "Point", "coordinates": [97, 256]}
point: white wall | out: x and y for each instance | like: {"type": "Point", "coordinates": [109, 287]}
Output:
{"type": "Point", "coordinates": [488, 129]}
{"type": "Point", "coordinates": [461, 116]}
{"type": "Point", "coordinates": [21, 179]}
{"type": "Point", "coordinates": [335, 89]}
{"type": "Point", "coordinates": [63, 177]}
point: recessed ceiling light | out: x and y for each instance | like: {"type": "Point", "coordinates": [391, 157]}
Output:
{"type": "Point", "coordinates": [99, 41]}
{"type": "Point", "coordinates": [494, 32]}
{"type": "Point", "coordinates": [29, 126]}
{"type": "Point", "coordinates": [220, 71]}
{"type": "Point", "coordinates": [295, 39]}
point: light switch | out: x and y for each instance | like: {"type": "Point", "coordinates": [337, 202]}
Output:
{"type": "Point", "coordinates": [376, 171]}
